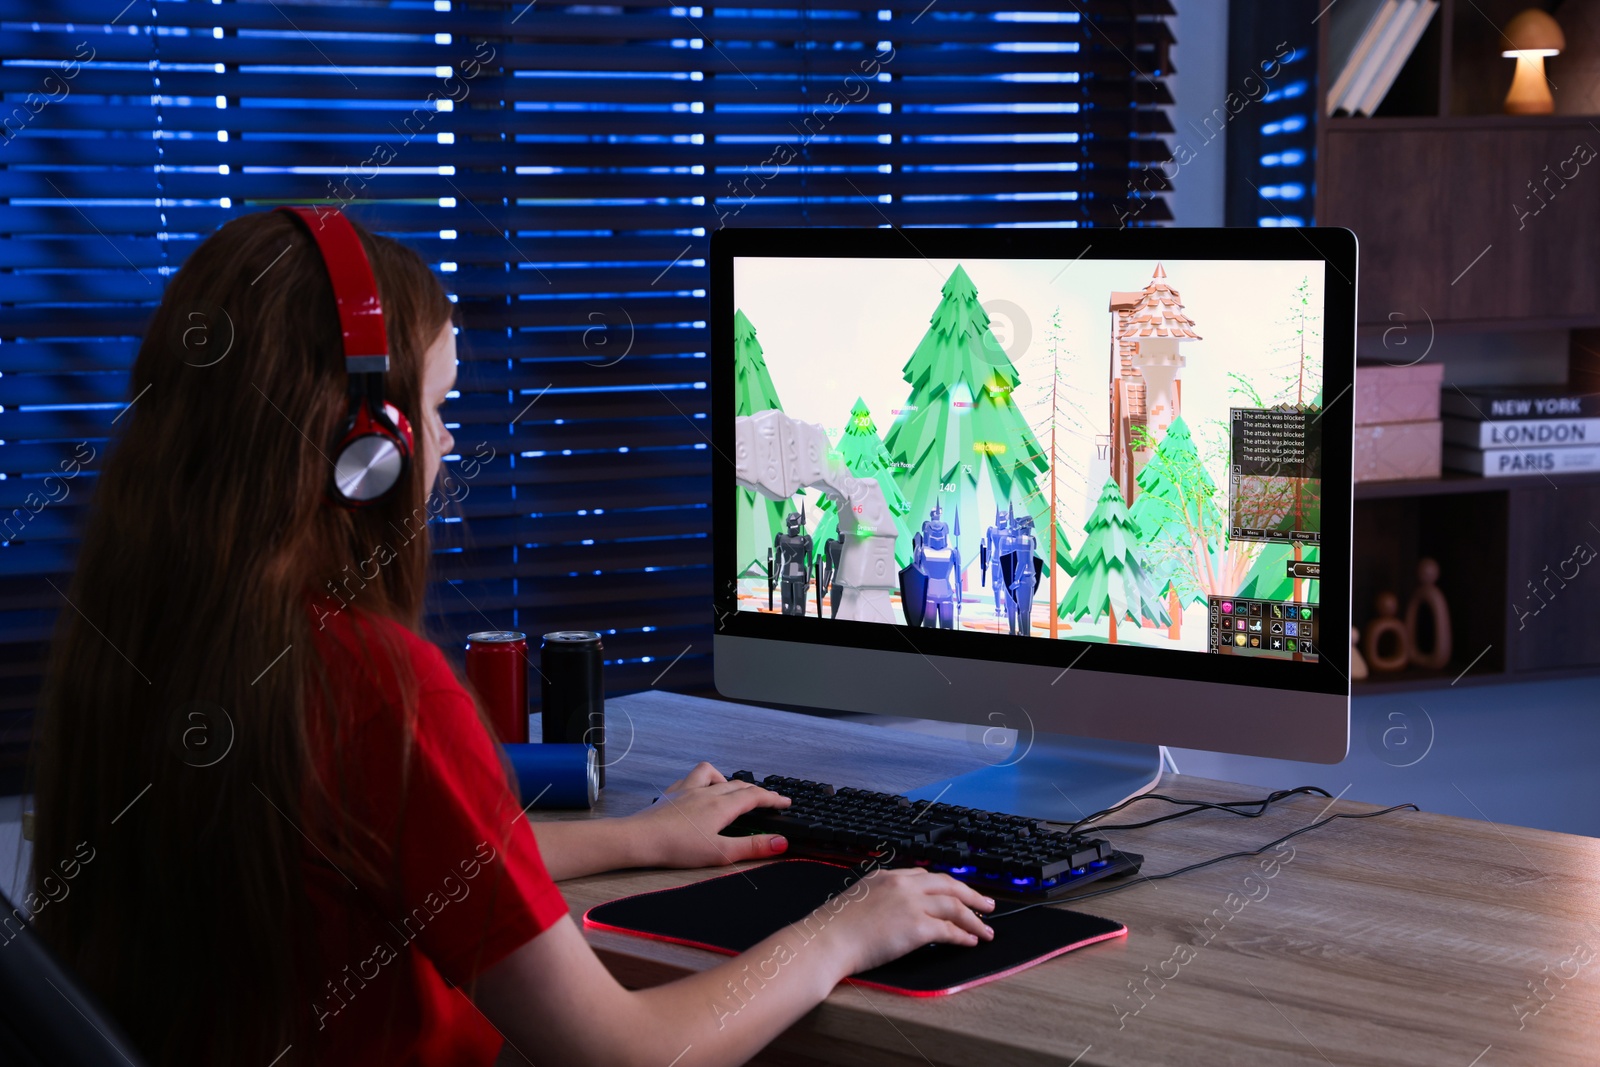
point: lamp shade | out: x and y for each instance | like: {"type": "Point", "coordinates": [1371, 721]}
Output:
{"type": "Point", "coordinates": [1533, 32]}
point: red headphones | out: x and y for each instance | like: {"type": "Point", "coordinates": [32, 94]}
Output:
{"type": "Point", "coordinates": [373, 449]}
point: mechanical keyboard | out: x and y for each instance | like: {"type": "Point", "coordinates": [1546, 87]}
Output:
{"type": "Point", "coordinates": [1005, 856]}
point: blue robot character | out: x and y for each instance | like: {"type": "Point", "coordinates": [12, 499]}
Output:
{"type": "Point", "coordinates": [989, 559]}
{"type": "Point", "coordinates": [789, 564]}
{"type": "Point", "coordinates": [930, 588]}
{"type": "Point", "coordinates": [1020, 568]}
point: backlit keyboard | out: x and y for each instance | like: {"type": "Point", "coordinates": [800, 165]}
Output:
{"type": "Point", "coordinates": [1003, 855]}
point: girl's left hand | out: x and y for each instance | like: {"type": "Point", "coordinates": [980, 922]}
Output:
{"type": "Point", "coordinates": [682, 828]}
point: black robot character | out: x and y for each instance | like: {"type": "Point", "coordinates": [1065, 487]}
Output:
{"type": "Point", "coordinates": [828, 575]}
{"type": "Point", "coordinates": [989, 559]}
{"type": "Point", "coordinates": [789, 564]}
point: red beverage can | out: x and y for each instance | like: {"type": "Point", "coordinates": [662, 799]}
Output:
{"type": "Point", "coordinates": [497, 667]}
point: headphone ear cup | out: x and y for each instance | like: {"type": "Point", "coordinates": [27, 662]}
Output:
{"type": "Point", "coordinates": [373, 455]}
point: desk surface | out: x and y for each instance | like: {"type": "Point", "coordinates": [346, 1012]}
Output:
{"type": "Point", "coordinates": [1412, 938]}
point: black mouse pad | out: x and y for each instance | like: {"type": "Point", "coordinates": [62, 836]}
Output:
{"type": "Point", "coordinates": [732, 912]}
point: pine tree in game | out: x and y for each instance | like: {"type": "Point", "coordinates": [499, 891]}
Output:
{"type": "Point", "coordinates": [1062, 413]}
{"type": "Point", "coordinates": [1308, 495]}
{"type": "Point", "coordinates": [864, 454]}
{"type": "Point", "coordinates": [759, 519]}
{"type": "Point", "coordinates": [1111, 575]}
{"type": "Point", "coordinates": [960, 431]}
{"type": "Point", "coordinates": [1056, 573]}
{"type": "Point", "coordinates": [1063, 552]}
{"type": "Point", "coordinates": [1183, 528]}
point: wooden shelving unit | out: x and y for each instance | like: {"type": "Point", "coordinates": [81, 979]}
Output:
{"type": "Point", "coordinates": [1457, 482]}
{"type": "Point", "coordinates": [1437, 188]}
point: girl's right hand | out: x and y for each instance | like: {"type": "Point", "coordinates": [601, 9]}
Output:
{"type": "Point", "coordinates": [891, 912]}
{"type": "Point", "coordinates": [553, 994]}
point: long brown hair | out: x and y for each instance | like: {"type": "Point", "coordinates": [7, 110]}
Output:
{"type": "Point", "coordinates": [172, 748]}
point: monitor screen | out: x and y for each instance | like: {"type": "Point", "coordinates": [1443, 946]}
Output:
{"type": "Point", "coordinates": [1102, 477]}
{"type": "Point", "coordinates": [1122, 451]}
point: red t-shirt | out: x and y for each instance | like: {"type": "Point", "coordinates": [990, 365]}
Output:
{"type": "Point", "coordinates": [467, 885]}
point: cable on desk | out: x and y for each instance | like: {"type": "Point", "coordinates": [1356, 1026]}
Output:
{"type": "Point", "coordinates": [1141, 878]}
{"type": "Point", "coordinates": [1194, 806]}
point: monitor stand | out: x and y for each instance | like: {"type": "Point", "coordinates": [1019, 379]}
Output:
{"type": "Point", "coordinates": [1058, 778]}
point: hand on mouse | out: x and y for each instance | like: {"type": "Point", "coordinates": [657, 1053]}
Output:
{"type": "Point", "coordinates": [891, 912]}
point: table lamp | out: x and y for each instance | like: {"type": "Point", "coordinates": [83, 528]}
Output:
{"type": "Point", "coordinates": [1530, 37]}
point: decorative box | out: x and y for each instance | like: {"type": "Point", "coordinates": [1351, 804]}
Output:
{"type": "Point", "coordinates": [1398, 394]}
{"type": "Point", "coordinates": [1395, 450]}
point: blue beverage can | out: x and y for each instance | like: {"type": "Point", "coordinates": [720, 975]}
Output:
{"type": "Point", "coordinates": [551, 776]}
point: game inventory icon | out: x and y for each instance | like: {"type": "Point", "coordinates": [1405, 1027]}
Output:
{"type": "Point", "coordinates": [1270, 626]}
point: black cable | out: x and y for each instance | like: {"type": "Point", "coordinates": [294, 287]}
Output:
{"type": "Point", "coordinates": [1142, 878]}
{"type": "Point", "coordinates": [1202, 805]}
{"type": "Point", "coordinates": [1194, 806]}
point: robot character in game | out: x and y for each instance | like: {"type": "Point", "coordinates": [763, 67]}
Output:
{"type": "Point", "coordinates": [989, 559]}
{"type": "Point", "coordinates": [1020, 568]}
{"type": "Point", "coordinates": [789, 564]}
{"type": "Point", "coordinates": [930, 588]}
{"type": "Point", "coordinates": [828, 574]}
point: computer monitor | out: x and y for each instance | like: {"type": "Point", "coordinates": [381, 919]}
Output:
{"type": "Point", "coordinates": [1091, 485]}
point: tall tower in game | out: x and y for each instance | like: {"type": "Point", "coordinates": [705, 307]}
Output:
{"type": "Point", "coordinates": [1147, 327]}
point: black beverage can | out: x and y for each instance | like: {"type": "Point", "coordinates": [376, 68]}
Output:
{"type": "Point", "coordinates": [572, 691]}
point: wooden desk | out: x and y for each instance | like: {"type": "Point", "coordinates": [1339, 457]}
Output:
{"type": "Point", "coordinates": [1407, 939]}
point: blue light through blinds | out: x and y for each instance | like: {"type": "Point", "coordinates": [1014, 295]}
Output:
{"type": "Point", "coordinates": [1286, 126]}
{"type": "Point", "coordinates": [562, 166]}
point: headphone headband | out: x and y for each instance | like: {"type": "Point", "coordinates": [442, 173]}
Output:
{"type": "Point", "coordinates": [355, 291]}
{"type": "Point", "coordinates": [373, 449]}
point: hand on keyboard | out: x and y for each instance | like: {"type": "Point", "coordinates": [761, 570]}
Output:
{"type": "Point", "coordinates": [1002, 854]}
{"type": "Point", "coordinates": [681, 828]}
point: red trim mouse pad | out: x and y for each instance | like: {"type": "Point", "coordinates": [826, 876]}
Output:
{"type": "Point", "coordinates": [732, 912]}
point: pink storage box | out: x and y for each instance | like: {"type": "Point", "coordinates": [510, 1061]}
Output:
{"type": "Point", "coordinates": [1398, 394]}
{"type": "Point", "coordinates": [1397, 450]}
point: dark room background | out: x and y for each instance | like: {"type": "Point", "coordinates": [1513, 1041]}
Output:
{"type": "Point", "coordinates": [563, 166]}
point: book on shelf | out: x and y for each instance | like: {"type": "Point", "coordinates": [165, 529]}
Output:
{"type": "Point", "coordinates": [1414, 24]}
{"type": "Point", "coordinates": [1355, 28]}
{"type": "Point", "coordinates": [1385, 38]}
{"type": "Point", "coordinates": [1521, 433]}
{"type": "Point", "coordinates": [1485, 403]}
{"type": "Point", "coordinates": [1370, 42]}
{"type": "Point", "coordinates": [1509, 462]}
